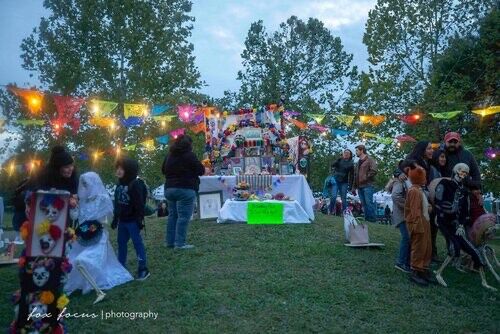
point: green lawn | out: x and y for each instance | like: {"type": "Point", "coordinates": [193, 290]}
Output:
{"type": "Point", "coordinates": [291, 278]}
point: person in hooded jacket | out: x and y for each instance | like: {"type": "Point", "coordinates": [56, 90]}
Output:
{"type": "Point", "coordinates": [130, 201]}
{"type": "Point", "coordinates": [182, 170]}
{"type": "Point", "coordinates": [60, 173]}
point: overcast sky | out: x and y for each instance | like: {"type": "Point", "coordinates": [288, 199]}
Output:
{"type": "Point", "coordinates": [218, 35]}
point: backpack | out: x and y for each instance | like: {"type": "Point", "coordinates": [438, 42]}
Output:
{"type": "Point", "coordinates": [432, 188]}
{"type": "Point", "coordinates": [138, 182]}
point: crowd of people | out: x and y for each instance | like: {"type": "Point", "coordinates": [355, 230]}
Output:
{"type": "Point", "coordinates": [431, 190]}
{"type": "Point", "coordinates": [97, 265]}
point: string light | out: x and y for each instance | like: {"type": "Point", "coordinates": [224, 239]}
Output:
{"type": "Point", "coordinates": [12, 168]}
{"type": "Point", "coordinates": [163, 124]}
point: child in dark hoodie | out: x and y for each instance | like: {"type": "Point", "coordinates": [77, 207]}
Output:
{"type": "Point", "coordinates": [130, 200]}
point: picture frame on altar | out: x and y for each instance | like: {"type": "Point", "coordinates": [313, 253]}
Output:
{"type": "Point", "coordinates": [48, 219]}
{"type": "Point", "coordinates": [252, 165]}
{"type": "Point", "coordinates": [224, 172]}
{"type": "Point", "coordinates": [267, 161]}
{"type": "Point", "coordinates": [209, 205]}
{"type": "Point", "coordinates": [237, 170]}
{"type": "Point", "coordinates": [285, 168]}
{"type": "Point", "coordinates": [237, 162]}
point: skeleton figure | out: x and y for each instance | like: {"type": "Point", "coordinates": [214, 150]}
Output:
{"type": "Point", "coordinates": [41, 271]}
{"type": "Point", "coordinates": [40, 276]}
{"type": "Point", "coordinates": [36, 308]}
{"type": "Point", "coordinates": [452, 205]}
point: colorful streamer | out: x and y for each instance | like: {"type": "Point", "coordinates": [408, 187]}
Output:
{"type": "Point", "coordinates": [374, 120]}
{"type": "Point", "coordinates": [340, 132]}
{"type": "Point", "coordinates": [100, 108]}
{"type": "Point", "coordinates": [318, 127]}
{"type": "Point", "coordinates": [177, 132]}
{"type": "Point", "coordinates": [132, 121]}
{"type": "Point", "coordinates": [103, 121]}
{"type": "Point", "coordinates": [410, 119]}
{"type": "Point", "coordinates": [148, 144]}
{"type": "Point", "coordinates": [131, 147]}
{"type": "Point", "coordinates": [159, 109]}
{"type": "Point", "coordinates": [487, 111]}
{"type": "Point", "coordinates": [317, 117]}
{"type": "Point", "coordinates": [30, 122]}
{"type": "Point", "coordinates": [368, 135]}
{"type": "Point", "coordinates": [445, 115]}
{"type": "Point", "coordinates": [164, 118]}
{"type": "Point", "coordinates": [163, 139]}
{"type": "Point", "coordinates": [135, 110]}
{"type": "Point", "coordinates": [32, 97]}
{"type": "Point", "coordinates": [405, 139]}
{"type": "Point", "coordinates": [385, 140]}
{"type": "Point", "coordinates": [298, 124]}
{"type": "Point", "coordinates": [67, 107]}
{"type": "Point", "coordinates": [200, 127]}
{"type": "Point", "coordinates": [346, 119]}
{"type": "Point", "coordinates": [186, 112]}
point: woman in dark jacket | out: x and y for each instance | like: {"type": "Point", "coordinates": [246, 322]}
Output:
{"type": "Point", "coordinates": [423, 153]}
{"type": "Point", "coordinates": [439, 162]}
{"type": "Point", "coordinates": [60, 173]}
{"type": "Point", "coordinates": [182, 171]}
{"type": "Point", "coordinates": [343, 171]}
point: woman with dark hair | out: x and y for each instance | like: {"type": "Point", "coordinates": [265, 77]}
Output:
{"type": "Point", "coordinates": [422, 154]}
{"type": "Point", "coordinates": [60, 173]}
{"type": "Point", "coordinates": [182, 170]}
{"type": "Point", "coordinates": [439, 162]}
{"type": "Point", "coordinates": [343, 171]}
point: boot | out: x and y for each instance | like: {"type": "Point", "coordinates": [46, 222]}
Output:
{"type": "Point", "coordinates": [417, 278]}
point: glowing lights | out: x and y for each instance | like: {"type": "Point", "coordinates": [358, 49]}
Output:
{"type": "Point", "coordinates": [163, 124]}
{"type": "Point", "coordinates": [12, 168]}
{"type": "Point", "coordinates": [492, 153]}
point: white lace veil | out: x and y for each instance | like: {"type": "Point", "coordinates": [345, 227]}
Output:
{"type": "Point", "coordinates": [94, 200]}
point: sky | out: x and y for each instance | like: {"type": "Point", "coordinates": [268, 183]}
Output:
{"type": "Point", "coordinates": [218, 34]}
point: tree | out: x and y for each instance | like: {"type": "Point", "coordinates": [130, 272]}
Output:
{"type": "Point", "coordinates": [465, 77]}
{"type": "Point", "coordinates": [127, 51]}
{"type": "Point", "coordinates": [404, 38]}
{"type": "Point", "coordinates": [302, 61]}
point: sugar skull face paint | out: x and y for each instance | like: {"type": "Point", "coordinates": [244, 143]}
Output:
{"type": "Point", "coordinates": [47, 244]}
{"type": "Point", "coordinates": [40, 276]}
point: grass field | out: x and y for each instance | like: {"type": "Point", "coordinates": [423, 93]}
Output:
{"type": "Point", "coordinates": [291, 278]}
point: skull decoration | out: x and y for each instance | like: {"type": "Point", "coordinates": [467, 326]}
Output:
{"type": "Point", "coordinates": [52, 206]}
{"type": "Point", "coordinates": [40, 276]}
{"type": "Point", "coordinates": [37, 309]}
{"type": "Point", "coordinates": [47, 243]}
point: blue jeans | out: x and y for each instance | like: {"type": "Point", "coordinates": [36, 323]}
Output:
{"type": "Point", "coordinates": [180, 209]}
{"type": "Point", "coordinates": [130, 230]}
{"type": "Point", "coordinates": [404, 246]}
{"type": "Point", "coordinates": [366, 197]}
{"type": "Point", "coordinates": [342, 189]}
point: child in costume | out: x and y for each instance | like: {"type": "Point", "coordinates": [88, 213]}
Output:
{"type": "Point", "coordinates": [416, 214]}
{"type": "Point", "coordinates": [453, 207]}
{"type": "Point", "coordinates": [92, 253]}
{"type": "Point", "coordinates": [130, 202]}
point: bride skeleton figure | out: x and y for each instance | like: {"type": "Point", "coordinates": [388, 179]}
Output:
{"type": "Point", "coordinates": [92, 253]}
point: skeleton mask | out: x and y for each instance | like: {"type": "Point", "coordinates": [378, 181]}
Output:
{"type": "Point", "coordinates": [37, 309]}
{"type": "Point", "coordinates": [51, 213]}
{"type": "Point", "coordinates": [40, 276]}
{"type": "Point", "coordinates": [460, 172]}
{"type": "Point", "coordinates": [47, 244]}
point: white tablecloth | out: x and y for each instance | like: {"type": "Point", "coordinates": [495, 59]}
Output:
{"type": "Point", "coordinates": [236, 211]}
{"type": "Point", "coordinates": [294, 186]}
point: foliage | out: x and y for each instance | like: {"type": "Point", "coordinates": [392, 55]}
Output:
{"type": "Point", "coordinates": [126, 51]}
{"type": "Point", "coordinates": [466, 77]}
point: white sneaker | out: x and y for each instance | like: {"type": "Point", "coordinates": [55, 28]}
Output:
{"type": "Point", "coordinates": [184, 247]}
{"type": "Point", "coordinates": [18, 241]}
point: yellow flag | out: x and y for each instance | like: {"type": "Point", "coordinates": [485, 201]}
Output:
{"type": "Point", "coordinates": [487, 111]}
{"type": "Point", "coordinates": [135, 110]}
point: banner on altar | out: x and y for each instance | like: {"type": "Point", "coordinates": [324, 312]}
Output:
{"type": "Point", "coordinates": [264, 213]}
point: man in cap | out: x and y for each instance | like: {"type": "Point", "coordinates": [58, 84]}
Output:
{"type": "Point", "coordinates": [456, 153]}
